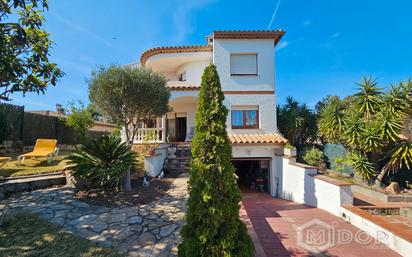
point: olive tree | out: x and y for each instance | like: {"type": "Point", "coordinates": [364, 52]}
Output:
{"type": "Point", "coordinates": [129, 95]}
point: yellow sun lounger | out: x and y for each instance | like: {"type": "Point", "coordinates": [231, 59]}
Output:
{"type": "Point", "coordinates": [43, 148]}
{"type": "Point", "coordinates": [4, 160]}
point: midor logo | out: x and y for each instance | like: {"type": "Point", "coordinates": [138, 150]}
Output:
{"type": "Point", "coordinates": [317, 236]}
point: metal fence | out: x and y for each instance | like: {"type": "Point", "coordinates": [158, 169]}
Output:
{"type": "Point", "coordinates": [28, 127]}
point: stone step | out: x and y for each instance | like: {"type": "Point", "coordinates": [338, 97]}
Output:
{"type": "Point", "coordinates": [178, 170]}
{"type": "Point", "coordinates": [178, 166]}
{"type": "Point", "coordinates": [185, 160]}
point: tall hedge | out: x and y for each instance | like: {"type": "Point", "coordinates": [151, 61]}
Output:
{"type": "Point", "coordinates": [213, 226]}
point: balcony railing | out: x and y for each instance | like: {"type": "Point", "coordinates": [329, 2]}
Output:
{"type": "Point", "coordinates": [150, 135]}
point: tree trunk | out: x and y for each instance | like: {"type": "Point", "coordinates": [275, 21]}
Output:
{"type": "Point", "coordinates": [127, 185]}
{"type": "Point", "coordinates": [380, 177]}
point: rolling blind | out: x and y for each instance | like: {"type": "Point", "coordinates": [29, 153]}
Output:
{"type": "Point", "coordinates": [243, 64]}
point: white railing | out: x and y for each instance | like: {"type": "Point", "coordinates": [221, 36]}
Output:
{"type": "Point", "coordinates": [150, 135]}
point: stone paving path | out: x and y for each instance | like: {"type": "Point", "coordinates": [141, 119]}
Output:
{"type": "Point", "coordinates": [145, 230]}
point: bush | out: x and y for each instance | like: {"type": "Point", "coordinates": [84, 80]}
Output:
{"type": "Point", "coordinates": [213, 226]}
{"type": "Point", "coordinates": [102, 161]}
{"type": "Point", "coordinates": [79, 119]}
{"type": "Point", "coordinates": [315, 157]}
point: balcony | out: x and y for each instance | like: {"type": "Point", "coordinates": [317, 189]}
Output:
{"type": "Point", "coordinates": [150, 135]}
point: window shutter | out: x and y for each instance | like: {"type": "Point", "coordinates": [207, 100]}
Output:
{"type": "Point", "coordinates": [243, 64]}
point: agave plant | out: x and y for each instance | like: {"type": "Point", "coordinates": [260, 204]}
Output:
{"type": "Point", "coordinates": [103, 161]}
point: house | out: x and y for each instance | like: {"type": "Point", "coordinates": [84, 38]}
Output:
{"type": "Point", "coordinates": [246, 65]}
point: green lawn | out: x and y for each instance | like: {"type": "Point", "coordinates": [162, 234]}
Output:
{"type": "Point", "coordinates": [27, 235]}
{"type": "Point", "coordinates": [32, 167]}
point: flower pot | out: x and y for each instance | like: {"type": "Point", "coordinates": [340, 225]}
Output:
{"type": "Point", "coordinates": [290, 152]}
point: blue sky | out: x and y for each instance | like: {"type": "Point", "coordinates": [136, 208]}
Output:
{"type": "Point", "coordinates": [328, 46]}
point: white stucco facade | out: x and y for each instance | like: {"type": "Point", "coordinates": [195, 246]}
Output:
{"type": "Point", "coordinates": [264, 80]}
{"type": "Point", "coordinates": [183, 67]}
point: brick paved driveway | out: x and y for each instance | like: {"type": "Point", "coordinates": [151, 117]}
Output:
{"type": "Point", "coordinates": [276, 223]}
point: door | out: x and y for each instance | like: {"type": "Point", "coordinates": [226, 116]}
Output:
{"type": "Point", "coordinates": [181, 129]}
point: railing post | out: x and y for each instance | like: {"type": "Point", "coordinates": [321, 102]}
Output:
{"type": "Point", "coordinates": [163, 129]}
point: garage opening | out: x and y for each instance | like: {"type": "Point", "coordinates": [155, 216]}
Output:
{"type": "Point", "coordinates": [253, 174]}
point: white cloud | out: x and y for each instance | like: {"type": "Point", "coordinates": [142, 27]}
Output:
{"type": "Point", "coordinates": [335, 35]}
{"type": "Point", "coordinates": [81, 29]}
{"type": "Point", "coordinates": [307, 23]}
{"type": "Point", "coordinates": [282, 45]}
{"type": "Point", "coordinates": [75, 66]}
{"type": "Point", "coordinates": [181, 18]}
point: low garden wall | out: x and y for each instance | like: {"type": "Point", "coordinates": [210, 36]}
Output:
{"type": "Point", "coordinates": [28, 183]}
{"type": "Point", "coordinates": [380, 229]}
{"type": "Point", "coordinates": [301, 183]}
{"type": "Point", "coordinates": [381, 196]}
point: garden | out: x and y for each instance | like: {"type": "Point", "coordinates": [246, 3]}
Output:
{"type": "Point", "coordinates": [364, 138]}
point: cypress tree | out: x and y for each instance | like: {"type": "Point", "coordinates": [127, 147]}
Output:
{"type": "Point", "coordinates": [213, 226]}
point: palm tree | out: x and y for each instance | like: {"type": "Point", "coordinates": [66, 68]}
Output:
{"type": "Point", "coordinates": [296, 122]}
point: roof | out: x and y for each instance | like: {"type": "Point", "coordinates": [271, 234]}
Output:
{"type": "Point", "coordinates": [276, 35]}
{"type": "Point", "coordinates": [264, 138]}
{"type": "Point", "coordinates": [182, 86]}
{"type": "Point", "coordinates": [174, 49]}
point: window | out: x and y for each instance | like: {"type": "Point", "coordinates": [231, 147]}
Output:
{"type": "Point", "coordinates": [182, 76]}
{"type": "Point", "coordinates": [243, 64]}
{"type": "Point", "coordinates": [245, 118]}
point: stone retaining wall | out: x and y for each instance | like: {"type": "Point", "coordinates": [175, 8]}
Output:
{"type": "Point", "coordinates": [11, 186]}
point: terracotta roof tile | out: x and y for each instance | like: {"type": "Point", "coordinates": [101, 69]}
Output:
{"type": "Point", "coordinates": [182, 86]}
{"type": "Point", "coordinates": [173, 49]}
{"type": "Point", "coordinates": [265, 138]}
{"type": "Point", "coordinates": [276, 35]}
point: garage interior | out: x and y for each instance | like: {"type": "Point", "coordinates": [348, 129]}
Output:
{"type": "Point", "coordinates": [253, 174]}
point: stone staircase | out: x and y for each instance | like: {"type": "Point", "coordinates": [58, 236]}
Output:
{"type": "Point", "coordinates": [181, 161]}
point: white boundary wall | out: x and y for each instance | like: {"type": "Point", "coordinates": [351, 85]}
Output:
{"type": "Point", "coordinates": [299, 184]}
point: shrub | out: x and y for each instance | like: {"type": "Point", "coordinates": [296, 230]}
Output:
{"type": "Point", "coordinates": [102, 161]}
{"type": "Point", "coordinates": [315, 157]}
{"type": "Point", "coordinates": [80, 120]}
{"type": "Point", "coordinates": [213, 226]}
{"type": "Point", "coordinates": [289, 146]}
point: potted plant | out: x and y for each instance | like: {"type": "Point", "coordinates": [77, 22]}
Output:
{"type": "Point", "coordinates": [151, 152]}
{"type": "Point", "coordinates": [289, 150]}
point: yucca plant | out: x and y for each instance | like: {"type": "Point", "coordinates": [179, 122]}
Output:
{"type": "Point", "coordinates": [371, 124]}
{"type": "Point", "coordinates": [332, 120]}
{"type": "Point", "coordinates": [368, 97]}
{"type": "Point", "coordinates": [362, 166]}
{"type": "Point", "coordinates": [103, 161]}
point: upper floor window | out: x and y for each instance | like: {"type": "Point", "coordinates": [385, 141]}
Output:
{"type": "Point", "coordinates": [243, 64]}
{"type": "Point", "coordinates": [246, 117]}
{"type": "Point", "coordinates": [182, 76]}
